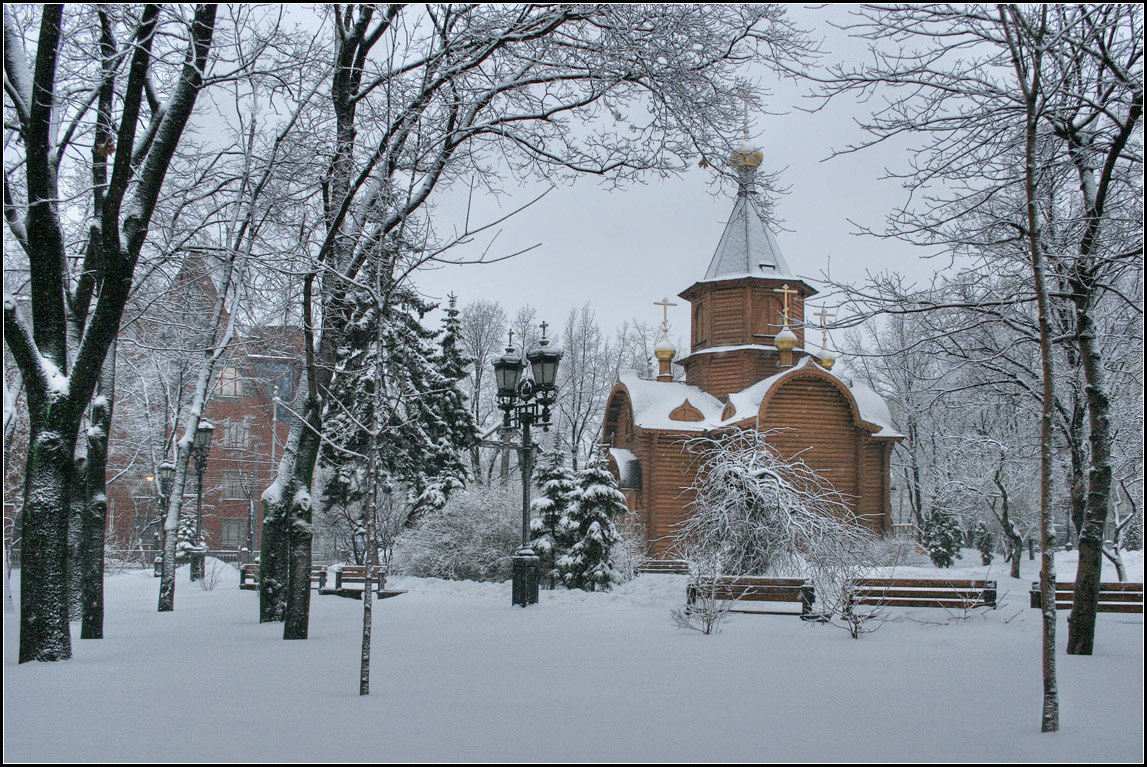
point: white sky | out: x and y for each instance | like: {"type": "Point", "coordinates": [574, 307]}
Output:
{"type": "Point", "coordinates": [622, 250]}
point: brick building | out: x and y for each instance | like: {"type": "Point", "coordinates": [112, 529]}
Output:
{"type": "Point", "coordinates": [250, 430]}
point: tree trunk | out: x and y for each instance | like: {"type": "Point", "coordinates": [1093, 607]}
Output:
{"type": "Point", "coordinates": [44, 630]}
{"type": "Point", "coordinates": [1081, 624]}
{"type": "Point", "coordinates": [171, 522]}
{"type": "Point", "coordinates": [77, 510]}
{"type": "Point", "coordinates": [1026, 59]}
{"type": "Point", "coordinates": [1011, 534]}
{"type": "Point", "coordinates": [273, 562]}
{"type": "Point", "coordinates": [95, 517]}
{"type": "Point", "coordinates": [1116, 559]}
{"type": "Point", "coordinates": [299, 527]}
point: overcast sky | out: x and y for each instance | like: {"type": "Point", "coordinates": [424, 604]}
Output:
{"type": "Point", "coordinates": [621, 250]}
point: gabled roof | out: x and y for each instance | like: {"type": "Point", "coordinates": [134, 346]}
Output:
{"type": "Point", "coordinates": [869, 405]}
{"type": "Point", "coordinates": [747, 247]}
{"type": "Point", "coordinates": [652, 402]}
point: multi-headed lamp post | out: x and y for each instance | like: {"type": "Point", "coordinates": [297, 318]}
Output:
{"type": "Point", "coordinates": [525, 403]}
{"type": "Point", "coordinates": [200, 446]}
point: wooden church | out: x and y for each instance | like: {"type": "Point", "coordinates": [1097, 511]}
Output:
{"type": "Point", "coordinates": [747, 368]}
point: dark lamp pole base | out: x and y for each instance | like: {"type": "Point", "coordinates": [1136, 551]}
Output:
{"type": "Point", "coordinates": [526, 568]}
{"type": "Point", "coordinates": [197, 568]}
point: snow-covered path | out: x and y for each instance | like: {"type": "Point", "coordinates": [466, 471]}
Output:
{"type": "Point", "coordinates": [460, 675]}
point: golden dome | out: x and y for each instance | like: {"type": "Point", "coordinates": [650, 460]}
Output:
{"type": "Point", "coordinates": [786, 340]}
{"type": "Point", "coordinates": [746, 157]}
{"type": "Point", "coordinates": [827, 361]}
{"type": "Point", "coordinates": [664, 350]}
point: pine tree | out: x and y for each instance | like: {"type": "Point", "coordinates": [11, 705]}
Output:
{"type": "Point", "coordinates": [391, 377]}
{"type": "Point", "coordinates": [587, 564]}
{"type": "Point", "coordinates": [941, 538]}
{"type": "Point", "coordinates": [186, 543]}
{"type": "Point", "coordinates": [551, 525]}
{"type": "Point", "coordinates": [985, 542]}
{"type": "Point", "coordinates": [446, 417]}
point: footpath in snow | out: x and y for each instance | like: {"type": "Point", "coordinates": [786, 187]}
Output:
{"type": "Point", "coordinates": [461, 675]}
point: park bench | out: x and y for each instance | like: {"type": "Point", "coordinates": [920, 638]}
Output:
{"type": "Point", "coordinates": [750, 588]}
{"type": "Point", "coordinates": [1113, 597]}
{"type": "Point", "coordinates": [672, 566]}
{"type": "Point", "coordinates": [352, 574]}
{"type": "Point", "coordinates": [908, 592]}
{"type": "Point", "coordinates": [249, 576]}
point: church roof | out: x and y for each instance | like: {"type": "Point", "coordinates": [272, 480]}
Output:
{"type": "Point", "coordinates": [869, 404]}
{"type": "Point", "coordinates": [653, 401]}
{"type": "Point", "coordinates": [747, 247]}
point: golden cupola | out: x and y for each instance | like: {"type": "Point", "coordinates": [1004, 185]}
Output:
{"type": "Point", "coordinates": [664, 350]}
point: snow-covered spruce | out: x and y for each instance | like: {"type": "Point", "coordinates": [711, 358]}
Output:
{"type": "Point", "coordinates": [412, 414]}
{"type": "Point", "coordinates": [587, 565]}
{"type": "Point", "coordinates": [942, 537]}
{"type": "Point", "coordinates": [551, 524]}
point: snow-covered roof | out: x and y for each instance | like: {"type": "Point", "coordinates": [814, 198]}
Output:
{"type": "Point", "coordinates": [723, 349]}
{"type": "Point", "coordinates": [621, 456]}
{"type": "Point", "coordinates": [874, 409]}
{"type": "Point", "coordinates": [653, 401]}
{"type": "Point", "coordinates": [747, 247]}
{"type": "Point", "coordinates": [870, 405]}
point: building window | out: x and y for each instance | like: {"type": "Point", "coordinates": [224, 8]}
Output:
{"type": "Point", "coordinates": [230, 383]}
{"type": "Point", "coordinates": [234, 532]}
{"type": "Point", "coordinates": [236, 435]}
{"type": "Point", "coordinates": [233, 486]}
{"type": "Point", "coordinates": [147, 529]}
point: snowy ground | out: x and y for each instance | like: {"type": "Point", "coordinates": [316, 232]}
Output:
{"type": "Point", "coordinates": [460, 675]}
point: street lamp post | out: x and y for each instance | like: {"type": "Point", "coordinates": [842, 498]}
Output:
{"type": "Point", "coordinates": [200, 446]}
{"type": "Point", "coordinates": [166, 472]}
{"type": "Point", "coordinates": [525, 403]}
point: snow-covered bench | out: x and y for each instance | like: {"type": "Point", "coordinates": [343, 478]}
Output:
{"type": "Point", "coordinates": [908, 592]}
{"type": "Point", "coordinates": [356, 574]}
{"type": "Point", "coordinates": [249, 576]}
{"type": "Point", "coordinates": [671, 566]}
{"type": "Point", "coordinates": [1113, 597]}
{"type": "Point", "coordinates": [744, 589]}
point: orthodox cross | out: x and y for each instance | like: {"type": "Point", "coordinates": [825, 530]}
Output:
{"type": "Point", "coordinates": [511, 345]}
{"type": "Point", "coordinates": [786, 291]}
{"type": "Point", "coordinates": [664, 304]}
{"type": "Point", "coordinates": [544, 325]}
{"type": "Point", "coordinates": [823, 314]}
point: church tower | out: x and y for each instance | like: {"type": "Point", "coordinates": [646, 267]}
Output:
{"type": "Point", "coordinates": [746, 368]}
{"type": "Point", "coordinates": [748, 310]}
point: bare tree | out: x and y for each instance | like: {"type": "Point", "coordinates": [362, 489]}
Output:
{"type": "Point", "coordinates": [586, 376]}
{"type": "Point", "coordinates": [756, 513]}
{"type": "Point", "coordinates": [61, 347]}
{"type": "Point", "coordinates": [483, 336]}
{"type": "Point", "coordinates": [997, 94]}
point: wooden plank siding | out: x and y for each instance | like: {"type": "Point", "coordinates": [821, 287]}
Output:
{"type": "Point", "coordinates": [722, 373]}
{"type": "Point", "coordinates": [810, 415]}
{"type": "Point", "coordinates": [811, 420]}
{"type": "Point", "coordinates": [668, 497]}
{"type": "Point", "coordinates": [728, 318]}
